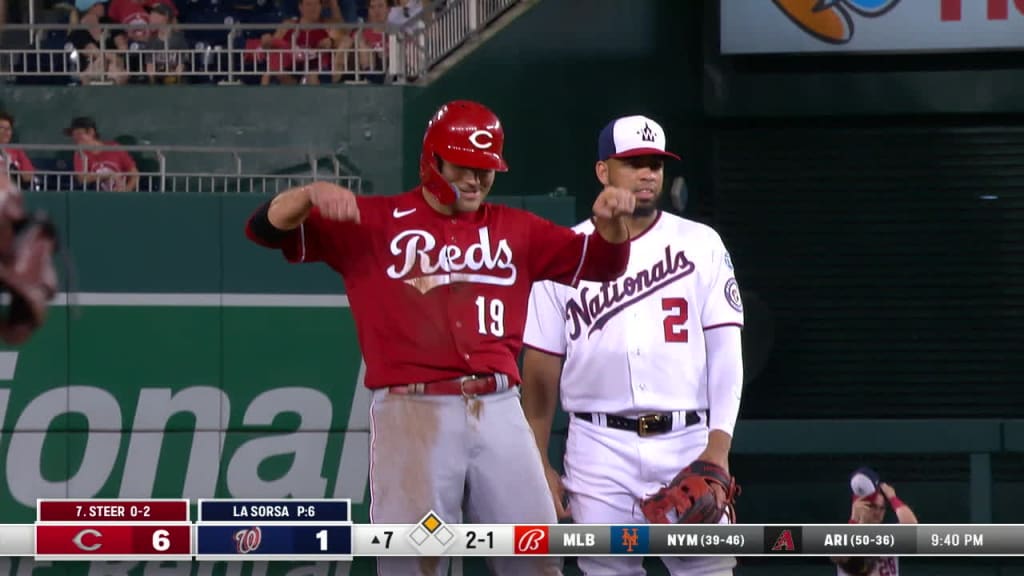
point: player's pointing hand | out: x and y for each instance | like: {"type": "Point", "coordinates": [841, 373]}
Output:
{"type": "Point", "coordinates": [614, 202]}
{"type": "Point", "coordinates": [334, 202]}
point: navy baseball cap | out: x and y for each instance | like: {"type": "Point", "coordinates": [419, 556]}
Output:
{"type": "Point", "coordinates": [631, 136]}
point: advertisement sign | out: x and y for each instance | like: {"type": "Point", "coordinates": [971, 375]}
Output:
{"type": "Point", "coordinates": [176, 396]}
{"type": "Point", "coordinates": [881, 26]}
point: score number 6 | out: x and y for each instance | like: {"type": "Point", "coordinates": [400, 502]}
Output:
{"type": "Point", "coordinates": [161, 540]}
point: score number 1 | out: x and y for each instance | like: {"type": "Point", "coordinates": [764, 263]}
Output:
{"type": "Point", "coordinates": [322, 540]}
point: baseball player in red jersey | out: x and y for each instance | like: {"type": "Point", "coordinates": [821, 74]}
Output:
{"type": "Point", "coordinates": [438, 283]}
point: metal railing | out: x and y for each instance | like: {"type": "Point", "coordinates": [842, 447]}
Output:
{"type": "Point", "coordinates": [433, 37]}
{"type": "Point", "coordinates": [157, 172]}
{"type": "Point", "coordinates": [232, 53]}
{"type": "Point", "coordinates": [226, 54]}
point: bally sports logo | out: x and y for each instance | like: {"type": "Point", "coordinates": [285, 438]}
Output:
{"type": "Point", "coordinates": [832, 20]}
{"type": "Point", "coordinates": [531, 540]}
{"type": "Point", "coordinates": [479, 263]}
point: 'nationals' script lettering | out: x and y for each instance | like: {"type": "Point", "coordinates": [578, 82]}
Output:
{"type": "Point", "coordinates": [594, 310]}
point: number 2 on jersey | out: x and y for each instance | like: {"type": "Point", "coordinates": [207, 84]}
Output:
{"type": "Point", "coordinates": [490, 318]}
{"type": "Point", "coordinates": [675, 322]}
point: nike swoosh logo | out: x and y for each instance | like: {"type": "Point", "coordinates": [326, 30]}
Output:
{"type": "Point", "coordinates": [402, 213]}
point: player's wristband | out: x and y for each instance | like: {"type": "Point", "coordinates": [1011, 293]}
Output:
{"type": "Point", "coordinates": [261, 226]}
{"type": "Point", "coordinates": [896, 503]}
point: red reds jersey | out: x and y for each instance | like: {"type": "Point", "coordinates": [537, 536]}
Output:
{"type": "Point", "coordinates": [436, 296]}
{"type": "Point", "coordinates": [19, 160]}
{"type": "Point", "coordinates": [104, 162]}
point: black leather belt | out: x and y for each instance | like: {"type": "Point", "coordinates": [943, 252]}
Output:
{"type": "Point", "coordinates": [646, 425]}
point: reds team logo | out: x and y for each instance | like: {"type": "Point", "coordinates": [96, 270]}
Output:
{"type": "Point", "coordinates": [531, 540]}
{"type": "Point", "coordinates": [482, 139]}
{"type": "Point", "coordinates": [248, 540]}
{"type": "Point", "coordinates": [88, 540]}
{"type": "Point", "coordinates": [425, 266]}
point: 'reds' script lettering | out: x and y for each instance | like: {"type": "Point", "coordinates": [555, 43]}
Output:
{"type": "Point", "coordinates": [595, 310]}
{"type": "Point", "coordinates": [425, 268]}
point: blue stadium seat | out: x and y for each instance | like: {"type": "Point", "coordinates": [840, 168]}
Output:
{"type": "Point", "coordinates": [205, 13]}
{"type": "Point", "coordinates": [55, 62]}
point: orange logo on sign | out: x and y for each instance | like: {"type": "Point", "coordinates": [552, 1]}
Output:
{"type": "Point", "coordinates": [831, 20]}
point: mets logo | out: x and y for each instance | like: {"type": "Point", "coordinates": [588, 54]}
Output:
{"type": "Point", "coordinates": [630, 539]}
{"type": "Point", "coordinates": [831, 20]}
{"type": "Point", "coordinates": [248, 540]}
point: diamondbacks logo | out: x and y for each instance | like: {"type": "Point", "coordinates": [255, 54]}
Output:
{"type": "Point", "coordinates": [784, 543]}
{"type": "Point", "coordinates": [531, 539]}
{"type": "Point", "coordinates": [783, 539]}
{"type": "Point", "coordinates": [424, 268]}
{"type": "Point", "coordinates": [831, 20]}
{"type": "Point", "coordinates": [248, 540]}
{"type": "Point", "coordinates": [594, 310]}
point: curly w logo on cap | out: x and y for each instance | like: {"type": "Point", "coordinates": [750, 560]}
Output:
{"type": "Point", "coordinates": [830, 20]}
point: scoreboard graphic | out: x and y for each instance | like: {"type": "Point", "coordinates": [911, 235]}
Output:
{"type": "Point", "coordinates": [322, 529]}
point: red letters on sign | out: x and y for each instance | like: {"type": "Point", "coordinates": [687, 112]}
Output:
{"type": "Point", "coordinates": [952, 10]}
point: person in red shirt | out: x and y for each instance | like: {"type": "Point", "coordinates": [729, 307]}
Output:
{"type": "Point", "coordinates": [21, 167]}
{"type": "Point", "coordinates": [438, 282]}
{"type": "Point", "coordinates": [302, 52]}
{"type": "Point", "coordinates": [108, 169]}
{"type": "Point", "coordinates": [869, 499]}
{"type": "Point", "coordinates": [369, 42]}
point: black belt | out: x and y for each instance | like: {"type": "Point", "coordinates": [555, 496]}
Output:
{"type": "Point", "coordinates": [646, 425]}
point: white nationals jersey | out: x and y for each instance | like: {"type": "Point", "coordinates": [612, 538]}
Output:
{"type": "Point", "coordinates": [886, 566]}
{"type": "Point", "coordinates": [637, 344]}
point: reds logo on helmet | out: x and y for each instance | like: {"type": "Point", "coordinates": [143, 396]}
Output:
{"type": "Point", "coordinates": [464, 133]}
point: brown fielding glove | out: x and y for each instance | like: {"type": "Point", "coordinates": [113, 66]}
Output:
{"type": "Point", "coordinates": [700, 494]}
{"type": "Point", "coordinates": [27, 272]}
{"type": "Point", "coordinates": [857, 565]}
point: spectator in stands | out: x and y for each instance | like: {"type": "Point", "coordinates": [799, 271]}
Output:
{"type": "Point", "coordinates": [93, 65]}
{"type": "Point", "coordinates": [20, 166]}
{"type": "Point", "coordinates": [165, 51]}
{"type": "Point", "coordinates": [869, 507]}
{"type": "Point", "coordinates": [134, 14]}
{"type": "Point", "coordinates": [404, 10]}
{"type": "Point", "coordinates": [301, 53]}
{"type": "Point", "coordinates": [369, 44]}
{"type": "Point", "coordinates": [107, 169]}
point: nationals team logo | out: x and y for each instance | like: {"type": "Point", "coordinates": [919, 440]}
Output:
{"type": "Point", "coordinates": [831, 20]}
{"type": "Point", "coordinates": [248, 540]}
{"type": "Point", "coordinates": [594, 310]}
{"type": "Point", "coordinates": [732, 295]}
{"type": "Point", "coordinates": [425, 266]}
{"type": "Point", "coordinates": [531, 540]}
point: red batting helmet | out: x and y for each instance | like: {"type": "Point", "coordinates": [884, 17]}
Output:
{"type": "Point", "coordinates": [464, 133]}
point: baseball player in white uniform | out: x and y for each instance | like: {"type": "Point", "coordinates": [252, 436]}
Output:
{"type": "Point", "coordinates": [652, 373]}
